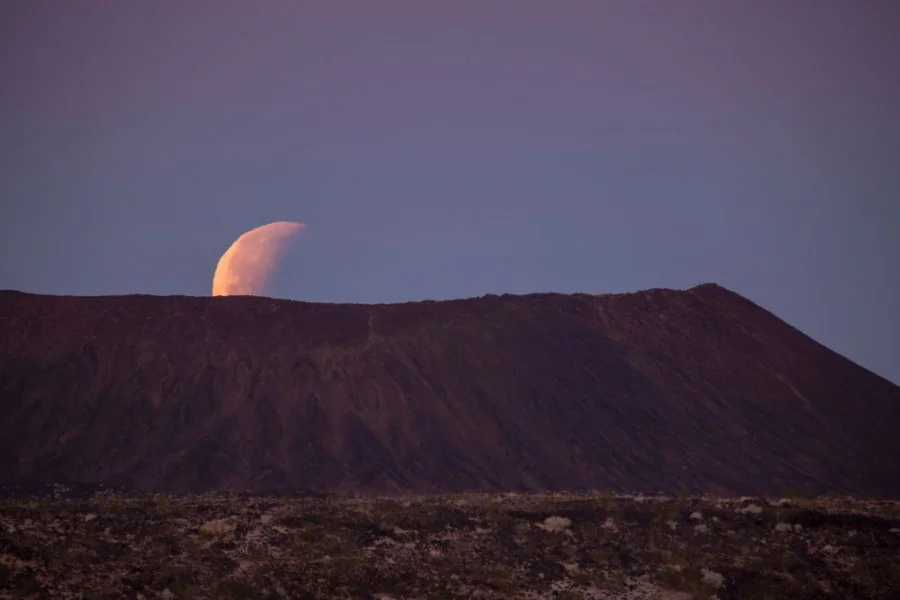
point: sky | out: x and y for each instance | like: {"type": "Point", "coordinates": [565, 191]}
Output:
{"type": "Point", "coordinates": [452, 149]}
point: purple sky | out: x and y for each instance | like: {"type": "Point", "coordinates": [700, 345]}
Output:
{"type": "Point", "coordinates": [451, 149]}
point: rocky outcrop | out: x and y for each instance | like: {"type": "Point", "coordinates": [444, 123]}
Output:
{"type": "Point", "coordinates": [657, 390]}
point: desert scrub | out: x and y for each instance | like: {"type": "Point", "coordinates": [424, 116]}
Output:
{"type": "Point", "coordinates": [163, 502]}
{"type": "Point", "coordinates": [346, 567]}
{"type": "Point", "coordinates": [495, 510]}
{"type": "Point", "coordinates": [543, 544]}
{"type": "Point", "coordinates": [793, 493]}
{"type": "Point", "coordinates": [690, 579]}
{"type": "Point", "coordinates": [683, 497]}
{"type": "Point", "coordinates": [596, 578]}
{"type": "Point", "coordinates": [26, 585]}
{"type": "Point", "coordinates": [760, 589]}
{"type": "Point", "coordinates": [217, 528]}
{"type": "Point", "coordinates": [235, 589]}
{"type": "Point", "coordinates": [614, 581]}
{"type": "Point", "coordinates": [500, 578]}
{"type": "Point", "coordinates": [667, 511]}
{"type": "Point", "coordinates": [555, 523]}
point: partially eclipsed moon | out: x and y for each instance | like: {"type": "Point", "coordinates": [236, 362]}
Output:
{"type": "Point", "coordinates": [245, 268]}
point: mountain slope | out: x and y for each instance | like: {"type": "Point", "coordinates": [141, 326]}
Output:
{"type": "Point", "coordinates": [657, 390]}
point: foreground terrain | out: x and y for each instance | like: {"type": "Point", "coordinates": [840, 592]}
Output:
{"type": "Point", "coordinates": [592, 545]}
{"type": "Point", "coordinates": [697, 389]}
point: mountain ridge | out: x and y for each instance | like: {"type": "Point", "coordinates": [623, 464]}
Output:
{"type": "Point", "coordinates": [651, 390]}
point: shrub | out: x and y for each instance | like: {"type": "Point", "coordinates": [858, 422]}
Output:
{"type": "Point", "coordinates": [236, 589]}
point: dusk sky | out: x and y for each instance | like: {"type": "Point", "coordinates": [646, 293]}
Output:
{"type": "Point", "coordinates": [453, 149]}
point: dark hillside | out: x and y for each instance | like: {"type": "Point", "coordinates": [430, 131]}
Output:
{"type": "Point", "coordinates": [656, 390]}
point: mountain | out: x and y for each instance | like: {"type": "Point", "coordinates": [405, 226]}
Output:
{"type": "Point", "coordinates": [659, 390]}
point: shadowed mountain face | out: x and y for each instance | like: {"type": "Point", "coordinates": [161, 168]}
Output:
{"type": "Point", "coordinates": [657, 390]}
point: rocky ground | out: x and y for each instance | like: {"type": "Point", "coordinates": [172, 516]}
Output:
{"type": "Point", "coordinates": [597, 545]}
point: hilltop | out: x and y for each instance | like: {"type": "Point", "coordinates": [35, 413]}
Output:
{"type": "Point", "coordinates": [660, 390]}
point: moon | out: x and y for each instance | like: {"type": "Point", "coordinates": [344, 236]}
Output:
{"type": "Point", "coordinates": [247, 265]}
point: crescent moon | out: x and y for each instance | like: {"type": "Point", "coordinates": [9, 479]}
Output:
{"type": "Point", "coordinates": [247, 265]}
